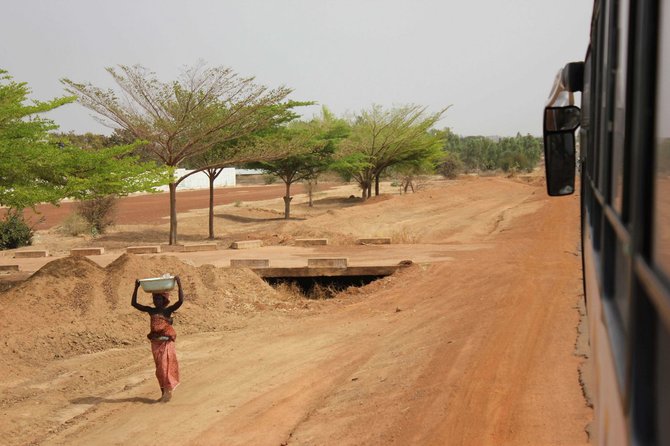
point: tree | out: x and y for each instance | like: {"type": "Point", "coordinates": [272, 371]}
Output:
{"type": "Point", "coordinates": [424, 163]}
{"type": "Point", "coordinates": [37, 166]}
{"type": "Point", "coordinates": [186, 117]}
{"type": "Point", "coordinates": [28, 160]}
{"type": "Point", "coordinates": [217, 158]}
{"type": "Point", "coordinates": [242, 150]}
{"type": "Point", "coordinates": [310, 145]}
{"type": "Point", "coordinates": [482, 153]}
{"type": "Point", "coordinates": [383, 138]}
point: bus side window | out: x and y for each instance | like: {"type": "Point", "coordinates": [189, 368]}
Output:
{"type": "Point", "coordinates": [661, 217]}
{"type": "Point", "coordinates": [660, 252]}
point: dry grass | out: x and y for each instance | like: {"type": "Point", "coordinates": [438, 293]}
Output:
{"type": "Point", "coordinates": [405, 235]}
{"type": "Point", "coordinates": [74, 225]}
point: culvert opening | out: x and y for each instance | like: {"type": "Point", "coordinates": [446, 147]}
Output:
{"type": "Point", "coordinates": [321, 287]}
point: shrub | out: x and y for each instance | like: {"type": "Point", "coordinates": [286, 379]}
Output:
{"type": "Point", "coordinates": [74, 224]}
{"type": "Point", "coordinates": [269, 179]}
{"type": "Point", "coordinates": [14, 231]}
{"type": "Point", "coordinates": [451, 166]}
{"type": "Point", "coordinates": [98, 212]}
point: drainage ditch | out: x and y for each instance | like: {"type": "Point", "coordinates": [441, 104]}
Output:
{"type": "Point", "coordinates": [319, 287]}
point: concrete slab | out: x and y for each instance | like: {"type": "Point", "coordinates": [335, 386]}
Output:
{"type": "Point", "coordinates": [277, 273]}
{"type": "Point", "coordinates": [200, 247]}
{"type": "Point", "coordinates": [172, 248]}
{"type": "Point", "coordinates": [327, 263]}
{"type": "Point", "coordinates": [30, 254]}
{"type": "Point", "coordinates": [8, 268]}
{"type": "Point", "coordinates": [311, 241]}
{"type": "Point", "coordinates": [375, 241]}
{"type": "Point", "coordinates": [143, 249]}
{"type": "Point", "coordinates": [246, 244]}
{"type": "Point", "coordinates": [250, 263]}
{"type": "Point", "coordinates": [83, 252]}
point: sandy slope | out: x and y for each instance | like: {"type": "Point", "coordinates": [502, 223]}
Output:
{"type": "Point", "coordinates": [472, 352]}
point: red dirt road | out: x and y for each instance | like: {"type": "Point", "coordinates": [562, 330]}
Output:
{"type": "Point", "coordinates": [154, 208]}
{"type": "Point", "coordinates": [475, 351]}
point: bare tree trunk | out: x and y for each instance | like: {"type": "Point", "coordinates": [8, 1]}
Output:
{"type": "Point", "coordinates": [287, 202]}
{"type": "Point", "coordinates": [173, 213]}
{"type": "Point", "coordinates": [370, 189]}
{"type": "Point", "coordinates": [364, 191]}
{"type": "Point", "coordinates": [211, 206]}
{"type": "Point", "coordinates": [377, 185]}
{"type": "Point", "coordinates": [310, 191]}
{"type": "Point", "coordinates": [212, 174]}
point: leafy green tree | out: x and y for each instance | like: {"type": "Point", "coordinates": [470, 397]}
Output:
{"type": "Point", "coordinates": [242, 150]}
{"type": "Point", "coordinates": [186, 117]}
{"type": "Point", "coordinates": [383, 138]}
{"type": "Point", "coordinates": [37, 166]}
{"type": "Point", "coordinates": [31, 168]}
{"type": "Point", "coordinates": [423, 163]}
{"type": "Point", "coordinates": [310, 147]}
{"type": "Point", "coordinates": [479, 153]}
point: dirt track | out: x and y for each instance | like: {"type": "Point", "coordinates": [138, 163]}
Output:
{"type": "Point", "coordinates": [153, 208]}
{"type": "Point", "coordinates": [477, 351]}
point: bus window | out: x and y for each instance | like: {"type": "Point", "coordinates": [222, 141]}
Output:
{"type": "Point", "coordinates": [619, 131]}
{"type": "Point", "coordinates": [661, 222]}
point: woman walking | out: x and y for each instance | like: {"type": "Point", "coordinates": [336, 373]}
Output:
{"type": "Point", "coordinates": [162, 337]}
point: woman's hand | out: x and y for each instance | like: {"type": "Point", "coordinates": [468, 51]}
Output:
{"type": "Point", "coordinates": [178, 281]}
{"type": "Point", "coordinates": [137, 283]}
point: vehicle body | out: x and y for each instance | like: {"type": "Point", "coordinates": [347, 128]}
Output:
{"type": "Point", "coordinates": [624, 138]}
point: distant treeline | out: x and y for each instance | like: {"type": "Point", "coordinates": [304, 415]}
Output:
{"type": "Point", "coordinates": [480, 153]}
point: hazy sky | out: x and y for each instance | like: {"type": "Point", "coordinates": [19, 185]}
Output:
{"type": "Point", "coordinates": [493, 60]}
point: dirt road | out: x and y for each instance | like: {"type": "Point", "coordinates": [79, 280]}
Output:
{"type": "Point", "coordinates": [153, 208]}
{"type": "Point", "coordinates": [476, 351]}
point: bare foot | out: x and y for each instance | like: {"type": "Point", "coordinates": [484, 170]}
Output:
{"type": "Point", "coordinates": [167, 396]}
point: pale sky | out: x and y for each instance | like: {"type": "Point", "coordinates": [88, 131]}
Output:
{"type": "Point", "coordinates": [493, 60]}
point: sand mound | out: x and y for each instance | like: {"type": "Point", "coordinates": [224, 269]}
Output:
{"type": "Point", "coordinates": [73, 306]}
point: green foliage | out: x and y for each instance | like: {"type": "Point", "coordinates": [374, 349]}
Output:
{"type": "Point", "coordinates": [188, 121]}
{"type": "Point", "coordinates": [37, 166]}
{"type": "Point", "coordinates": [309, 147]}
{"type": "Point", "coordinates": [479, 153]}
{"type": "Point", "coordinates": [269, 179]}
{"type": "Point", "coordinates": [381, 139]}
{"type": "Point", "coordinates": [14, 231]}
{"type": "Point", "coordinates": [350, 165]}
{"type": "Point", "coordinates": [27, 156]}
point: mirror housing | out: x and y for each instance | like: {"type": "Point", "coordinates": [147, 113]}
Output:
{"type": "Point", "coordinates": [560, 164]}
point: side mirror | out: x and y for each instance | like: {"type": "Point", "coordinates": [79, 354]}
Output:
{"type": "Point", "coordinates": [561, 119]}
{"type": "Point", "coordinates": [560, 124]}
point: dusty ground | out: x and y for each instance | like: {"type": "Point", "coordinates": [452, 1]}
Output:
{"type": "Point", "coordinates": [474, 351]}
{"type": "Point", "coordinates": [152, 208]}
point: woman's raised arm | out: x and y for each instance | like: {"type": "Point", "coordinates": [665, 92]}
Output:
{"type": "Point", "coordinates": [177, 304]}
{"type": "Point", "coordinates": [133, 300]}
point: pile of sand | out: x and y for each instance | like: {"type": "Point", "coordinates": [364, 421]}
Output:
{"type": "Point", "coordinates": [73, 306]}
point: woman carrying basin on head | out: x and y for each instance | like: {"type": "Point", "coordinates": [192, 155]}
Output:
{"type": "Point", "coordinates": [162, 336]}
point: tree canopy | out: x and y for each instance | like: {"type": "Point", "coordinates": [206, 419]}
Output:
{"type": "Point", "coordinates": [37, 166]}
{"type": "Point", "coordinates": [381, 138]}
{"type": "Point", "coordinates": [309, 148]}
{"type": "Point", "coordinates": [480, 153]}
{"type": "Point", "coordinates": [187, 117]}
